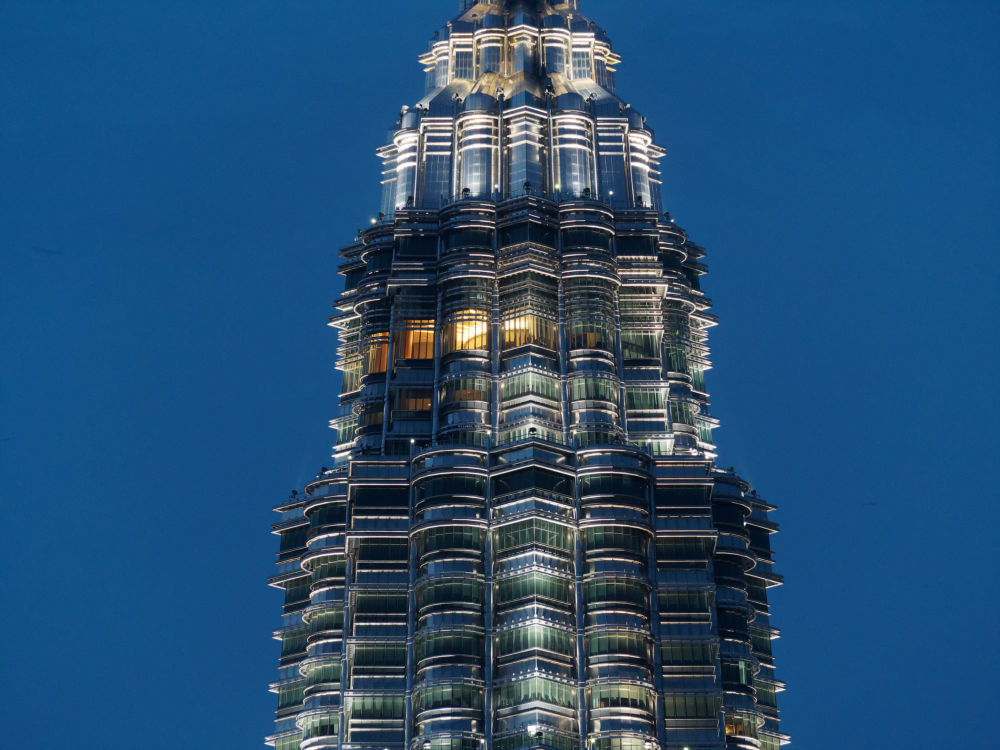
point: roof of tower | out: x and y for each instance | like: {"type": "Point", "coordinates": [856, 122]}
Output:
{"type": "Point", "coordinates": [520, 88]}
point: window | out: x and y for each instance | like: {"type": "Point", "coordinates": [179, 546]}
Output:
{"type": "Point", "coordinates": [290, 695]}
{"type": "Point", "coordinates": [620, 696]}
{"type": "Point", "coordinates": [677, 358]}
{"type": "Point", "coordinates": [536, 689]}
{"type": "Point", "coordinates": [691, 706]}
{"type": "Point", "coordinates": [615, 643]}
{"type": "Point", "coordinates": [532, 478]}
{"type": "Point", "coordinates": [413, 399]}
{"type": "Point", "coordinates": [615, 539]}
{"type": "Point", "coordinates": [468, 330]}
{"type": "Point", "coordinates": [572, 144]}
{"type": "Point", "coordinates": [688, 653]}
{"type": "Point", "coordinates": [528, 232]}
{"type": "Point", "coordinates": [464, 64]}
{"type": "Point", "coordinates": [489, 58]}
{"type": "Point", "coordinates": [681, 412]}
{"type": "Point", "coordinates": [555, 56]}
{"type": "Point", "coordinates": [543, 738]}
{"type": "Point", "coordinates": [590, 334]}
{"type": "Point", "coordinates": [378, 707]}
{"type": "Point", "coordinates": [465, 389]}
{"type": "Point", "coordinates": [741, 725]}
{"type": "Point", "coordinates": [465, 238]}
{"type": "Point", "coordinates": [353, 366]}
{"type": "Point", "coordinates": [640, 344]}
{"type": "Point", "coordinates": [334, 566]}
{"type": "Point", "coordinates": [532, 383]}
{"type": "Point", "coordinates": [449, 592]}
{"type": "Point", "coordinates": [416, 247]}
{"type": "Point", "coordinates": [449, 644]}
{"type": "Point", "coordinates": [593, 389]}
{"type": "Point", "coordinates": [637, 245]}
{"type": "Point", "coordinates": [581, 63]}
{"type": "Point", "coordinates": [522, 328]}
{"type": "Point", "coordinates": [293, 644]}
{"type": "Point", "coordinates": [376, 353]}
{"type": "Point", "coordinates": [320, 726]}
{"type": "Point", "coordinates": [647, 399]}
{"type": "Point", "coordinates": [327, 515]}
{"type": "Point", "coordinates": [532, 586]}
{"type": "Point", "coordinates": [683, 601]}
{"type": "Point", "coordinates": [416, 340]}
{"type": "Point", "coordinates": [586, 238]}
{"type": "Point", "coordinates": [380, 603]}
{"type": "Point", "coordinates": [535, 637]}
{"type": "Point", "coordinates": [452, 485]}
{"type": "Point", "coordinates": [452, 539]}
{"type": "Point", "coordinates": [320, 674]}
{"type": "Point", "coordinates": [380, 655]}
{"type": "Point", "coordinates": [606, 591]}
{"type": "Point", "coordinates": [738, 672]}
{"type": "Point", "coordinates": [449, 696]}
{"type": "Point", "coordinates": [533, 531]}
{"type": "Point", "coordinates": [612, 484]}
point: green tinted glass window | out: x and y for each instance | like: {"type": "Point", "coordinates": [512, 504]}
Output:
{"type": "Point", "coordinates": [536, 689]}
{"type": "Point", "coordinates": [533, 531]}
{"type": "Point", "coordinates": [534, 585]}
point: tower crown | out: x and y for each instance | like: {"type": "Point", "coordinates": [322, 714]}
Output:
{"type": "Point", "coordinates": [526, 92]}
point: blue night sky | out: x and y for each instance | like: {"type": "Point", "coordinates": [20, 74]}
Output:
{"type": "Point", "coordinates": [175, 181]}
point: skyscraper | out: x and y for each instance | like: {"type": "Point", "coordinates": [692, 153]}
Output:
{"type": "Point", "coordinates": [523, 541]}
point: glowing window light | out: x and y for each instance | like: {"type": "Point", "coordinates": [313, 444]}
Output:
{"type": "Point", "coordinates": [469, 331]}
{"type": "Point", "coordinates": [521, 330]}
{"type": "Point", "coordinates": [376, 353]}
{"type": "Point", "coordinates": [416, 341]}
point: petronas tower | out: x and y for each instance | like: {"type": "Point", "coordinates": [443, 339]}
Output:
{"type": "Point", "coordinates": [523, 540]}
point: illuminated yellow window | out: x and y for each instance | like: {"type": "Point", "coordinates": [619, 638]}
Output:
{"type": "Point", "coordinates": [352, 373]}
{"type": "Point", "coordinates": [416, 340]}
{"type": "Point", "coordinates": [467, 331]}
{"type": "Point", "coordinates": [413, 399]}
{"type": "Point", "coordinates": [521, 330]}
{"type": "Point", "coordinates": [743, 726]}
{"type": "Point", "coordinates": [377, 353]}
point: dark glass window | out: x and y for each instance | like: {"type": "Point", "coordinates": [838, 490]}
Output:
{"type": "Point", "coordinates": [380, 497]}
{"type": "Point", "coordinates": [528, 232]}
{"type": "Point", "coordinates": [416, 247]}
{"type": "Point", "coordinates": [637, 245]}
{"type": "Point", "coordinates": [532, 478]}
{"type": "Point", "coordinates": [459, 484]}
{"type": "Point", "coordinates": [612, 484]}
{"type": "Point", "coordinates": [533, 531]}
{"type": "Point", "coordinates": [586, 238]}
{"type": "Point", "coordinates": [470, 237]}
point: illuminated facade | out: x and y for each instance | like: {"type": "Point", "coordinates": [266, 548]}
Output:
{"type": "Point", "coordinates": [524, 541]}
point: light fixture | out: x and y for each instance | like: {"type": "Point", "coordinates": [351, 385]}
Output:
{"type": "Point", "coordinates": [374, 221]}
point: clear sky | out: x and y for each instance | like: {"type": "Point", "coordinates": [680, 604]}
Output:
{"type": "Point", "coordinates": [175, 180]}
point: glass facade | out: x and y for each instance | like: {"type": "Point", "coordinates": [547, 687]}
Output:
{"type": "Point", "coordinates": [524, 541]}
